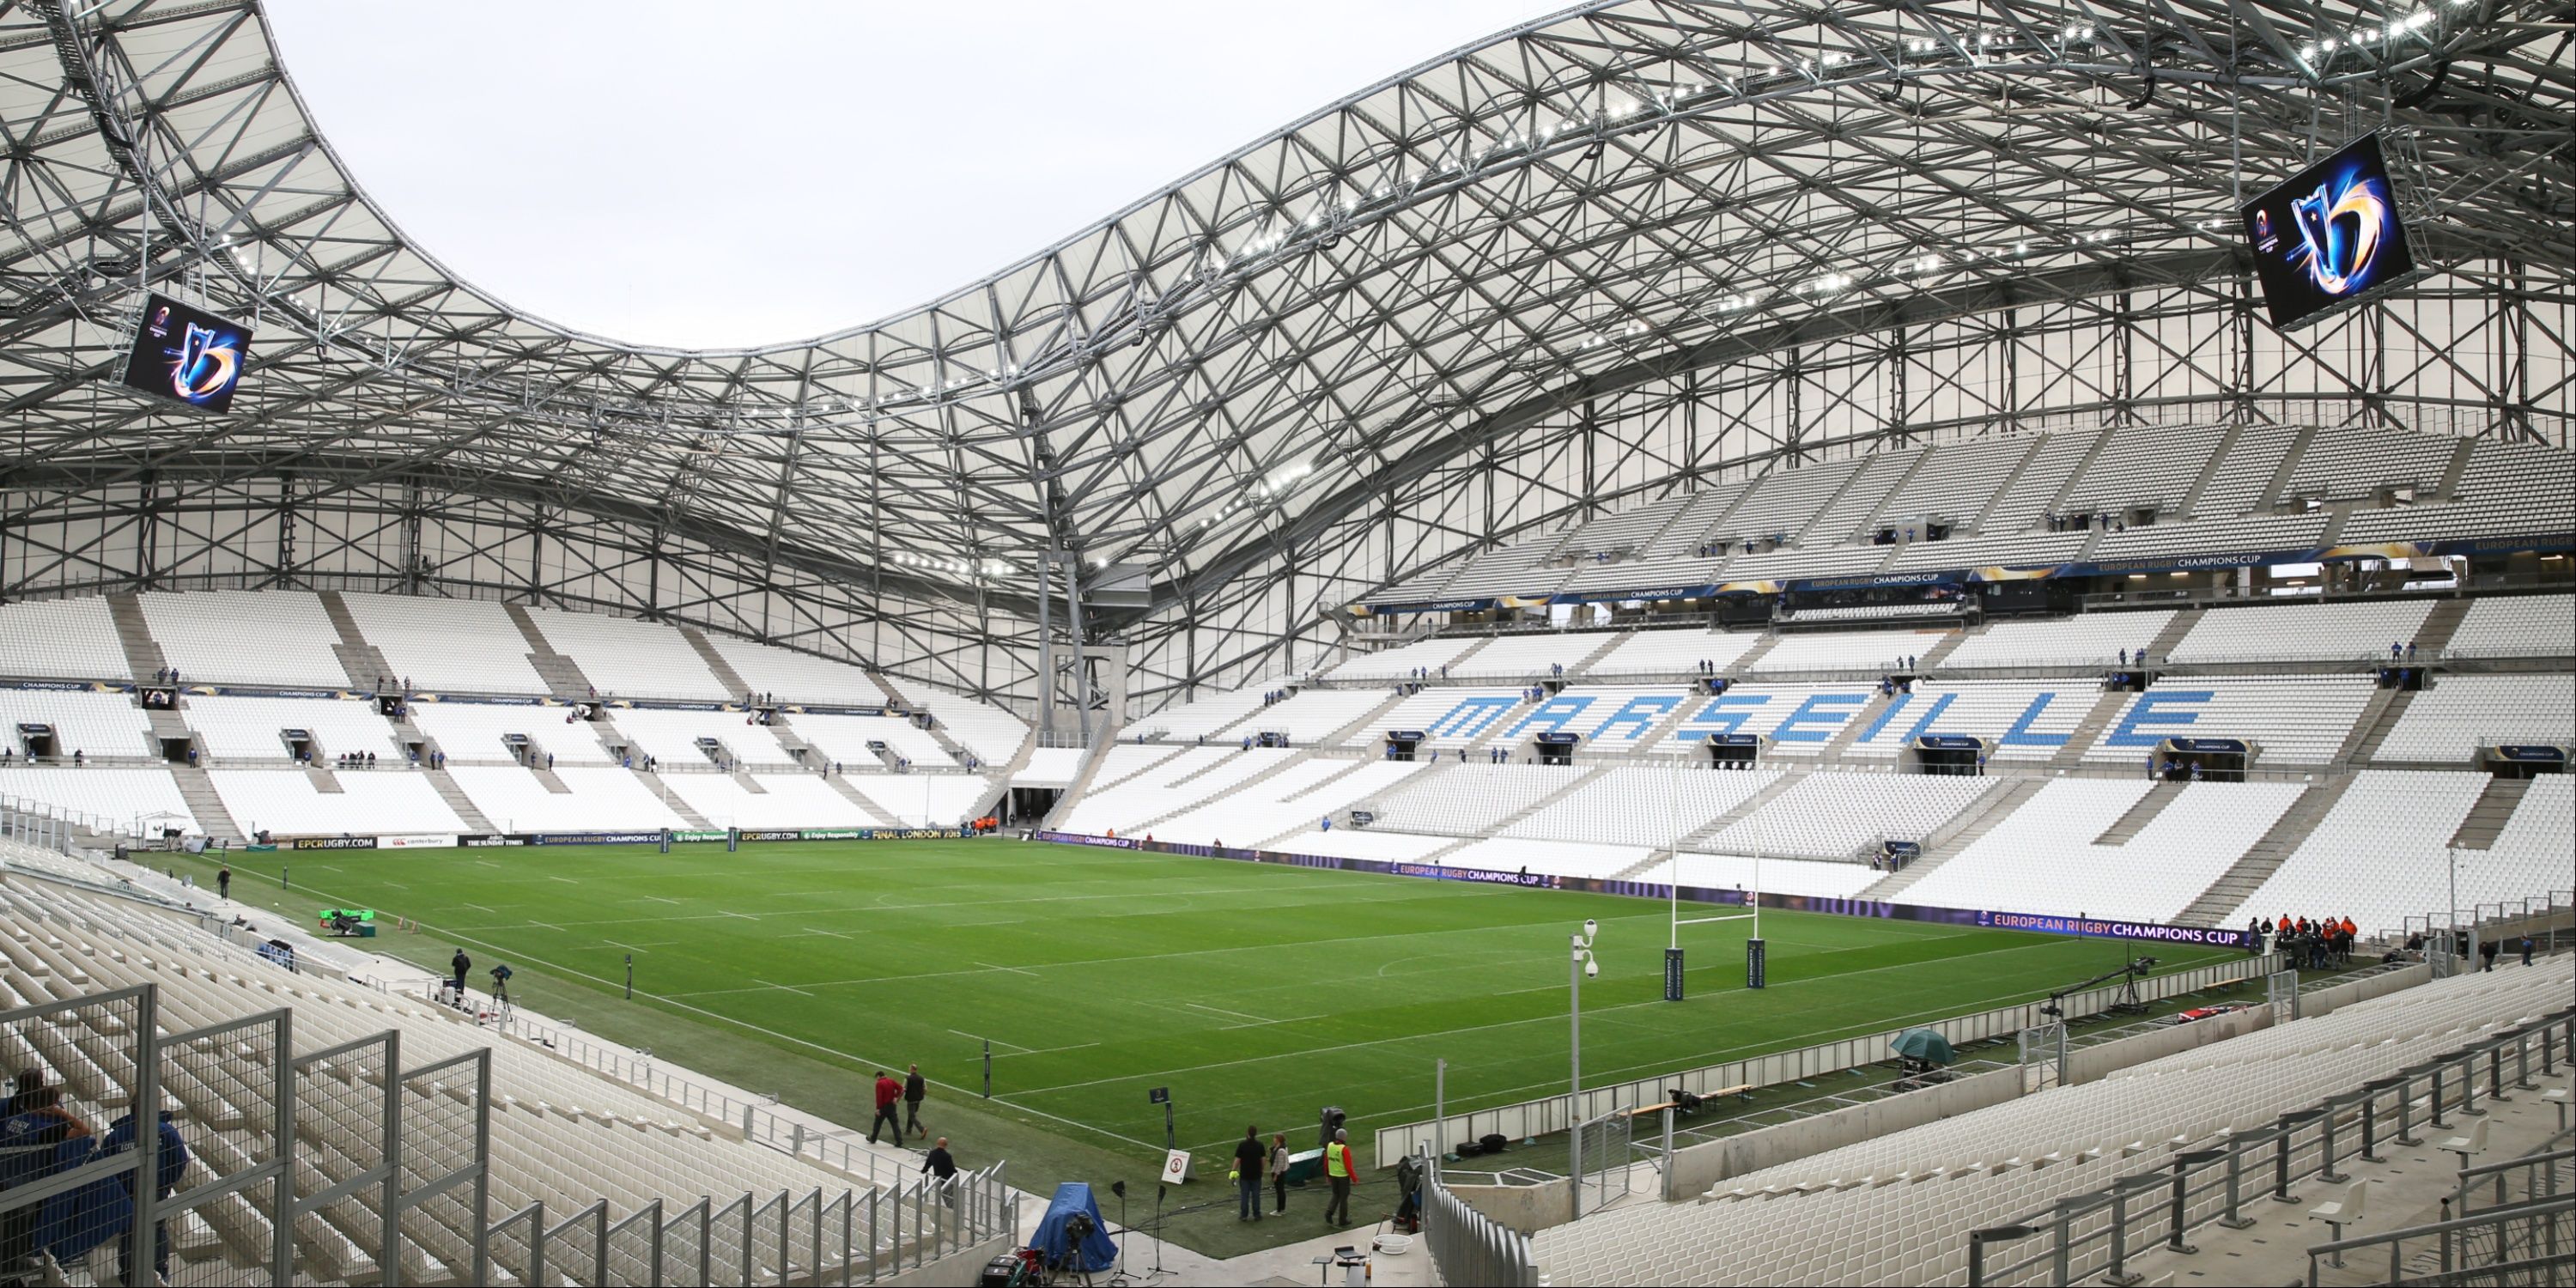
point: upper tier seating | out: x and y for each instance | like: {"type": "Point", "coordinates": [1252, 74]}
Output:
{"type": "Point", "coordinates": [60, 639]}
{"type": "Point", "coordinates": [1057, 766]}
{"type": "Point", "coordinates": [2143, 465]}
{"type": "Point", "coordinates": [991, 734]}
{"type": "Point", "coordinates": [1956, 483]}
{"type": "Point", "coordinates": [1783, 501]}
{"type": "Point", "coordinates": [2459, 714]}
{"type": "Point", "coordinates": [2088, 639]}
{"type": "Point", "coordinates": [369, 801]}
{"type": "Point", "coordinates": [1314, 715]}
{"type": "Point", "coordinates": [844, 740]}
{"type": "Point", "coordinates": [2044, 857]}
{"type": "Point", "coordinates": [1528, 657]}
{"type": "Point", "coordinates": [1629, 529]}
{"type": "Point", "coordinates": [1670, 653]}
{"type": "Point", "coordinates": [631, 659]}
{"type": "Point", "coordinates": [447, 645]}
{"type": "Point", "coordinates": [1210, 712]}
{"type": "Point", "coordinates": [1398, 663]}
{"type": "Point", "coordinates": [560, 1135]}
{"type": "Point", "coordinates": [2015, 550]}
{"type": "Point", "coordinates": [796, 677]}
{"type": "Point", "coordinates": [2377, 856]}
{"type": "Point", "coordinates": [1469, 799]}
{"type": "Point", "coordinates": [922, 800]}
{"type": "Point", "coordinates": [1899, 1206]}
{"type": "Point", "coordinates": [2020, 720]}
{"type": "Point", "coordinates": [117, 799]}
{"type": "Point", "coordinates": [600, 800]}
{"type": "Point", "coordinates": [472, 732]}
{"type": "Point", "coordinates": [2509, 489]}
{"type": "Point", "coordinates": [2303, 632]}
{"type": "Point", "coordinates": [1845, 815]}
{"type": "Point", "coordinates": [1876, 652]}
{"type": "Point", "coordinates": [100, 724]}
{"type": "Point", "coordinates": [1690, 529]}
{"type": "Point", "coordinates": [2043, 475]}
{"type": "Point", "coordinates": [671, 737]}
{"type": "Point", "coordinates": [2516, 626]}
{"type": "Point", "coordinates": [2238, 486]}
{"type": "Point", "coordinates": [2297, 720]}
{"type": "Point", "coordinates": [2342, 464]}
{"type": "Point", "coordinates": [1848, 516]}
{"type": "Point", "coordinates": [280, 637]}
{"type": "Point", "coordinates": [783, 801]}
{"type": "Point", "coordinates": [250, 728]}
{"type": "Point", "coordinates": [1508, 570]}
{"type": "Point", "coordinates": [1645, 805]}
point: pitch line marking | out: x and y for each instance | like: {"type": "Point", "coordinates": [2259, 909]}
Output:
{"type": "Point", "coordinates": [1219, 1010]}
{"type": "Point", "coordinates": [1477, 1028]}
{"type": "Point", "coordinates": [798, 991]}
{"type": "Point", "coordinates": [1013, 969]}
{"type": "Point", "coordinates": [566, 880]}
{"type": "Point", "coordinates": [659, 899]}
{"type": "Point", "coordinates": [1052, 1050]}
{"type": "Point", "coordinates": [790, 1039]}
{"type": "Point", "coordinates": [487, 863]}
{"type": "Point", "coordinates": [978, 1037]}
{"type": "Point", "coordinates": [480, 908]}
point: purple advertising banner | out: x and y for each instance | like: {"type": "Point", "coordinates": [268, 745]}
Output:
{"type": "Point", "coordinates": [2085, 927]}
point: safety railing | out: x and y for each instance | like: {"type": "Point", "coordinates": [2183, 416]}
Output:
{"type": "Point", "coordinates": [814, 1238]}
{"type": "Point", "coordinates": [1551, 1114]}
{"type": "Point", "coordinates": [2097, 1233]}
{"type": "Point", "coordinates": [1467, 1246]}
{"type": "Point", "coordinates": [2524, 1243]}
{"type": "Point", "coordinates": [2544, 1173]}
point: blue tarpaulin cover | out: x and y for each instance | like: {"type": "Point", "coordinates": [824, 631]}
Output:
{"type": "Point", "coordinates": [1098, 1252]}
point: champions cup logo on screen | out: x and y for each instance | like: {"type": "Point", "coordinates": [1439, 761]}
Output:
{"type": "Point", "coordinates": [2340, 225]}
{"type": "Point", "coordinates": [187, 355]}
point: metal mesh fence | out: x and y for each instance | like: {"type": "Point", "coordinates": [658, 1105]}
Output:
{"type": "Point", "coordinates": [226, 1089]}
{"type": "Point", "coordinates": [67, 1151]}
{"type": "Point", "coordinates": [444, 1144]}
{"type": "Point", "coordinates": [344, 1129]}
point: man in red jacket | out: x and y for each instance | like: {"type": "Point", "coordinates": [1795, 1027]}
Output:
{"type": "Point", "coordinates": [889, 1094]}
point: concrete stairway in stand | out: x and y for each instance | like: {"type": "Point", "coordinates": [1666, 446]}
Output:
{"type": "Point", "coordinates": [2487, 817]}
{"type": "Point", "coordinates": [554, 786]}
{"type": "Point", "coordinates": [1958, 834]}
{"type": "Point", "coordinates": [2440, 625]}
{"type": "Point", "coordinates": [725, 674]}
{"type": "Point", "coordinates": [2170, 638]}
{"type": "Point", "coordinates": [853, 795]}
{"type": "Point", "coordinates": [562, 677]}
{"type": "Point", "coordinates": [1743, 809]}
{"type": "Point", "coordinates": [2265, 857]}
{"type": "Point", "coordinates": [143, 655]}
{"type": "Point", "coordinates": [445, 785]}
{"type": "Point", "coordinates": [2380, 715]}
{"type": "Point", "coordinates": [357, 657]}
{"type": "Point", "coordinates": [2141, 814]}
{"type": "Point", "coordinates": [2089, 730]}
{"type": "Point", "coordinates": [671, 800]}
{"type": "Point", "coordinates": [203, 801]}
{"type": "Point", "coordinates": [324, 781]}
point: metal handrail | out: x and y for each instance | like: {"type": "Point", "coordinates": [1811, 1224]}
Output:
{"type": "Point", "coordinates": [2450, 1237]}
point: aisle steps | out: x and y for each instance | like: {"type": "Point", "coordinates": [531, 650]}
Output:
{"type": "Point", "coordinates": [457, 800]}
{"type": "Point", "coordinates": [2239, 882]}
{"type": "Point", "coordinates": [725, 674]}
{"type": "Point", "coordinates": [143, 654]}
{"type": "Point", "coordinates": [2486, 818]}
{"type": "Point", "coordinates": [367, 667]}
{"type": "Point", "coordinates": [562, 677]}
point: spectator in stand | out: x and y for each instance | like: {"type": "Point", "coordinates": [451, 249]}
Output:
{"type": "Point", "coordinates": [169, 1165]}
{"type": "Point", "coordinates": [1249, 1160]}
{"type": "Point", "coordinates": [889, 1092]}
{"type": "Point", "coordinates": [915, 1090]}
{"type": "Point", "coordinates": [1339, 1168]}
{"type": "Point", "coordinates": [2487, 953]}
{"type": "Point", "coordinates": [2526, 948]}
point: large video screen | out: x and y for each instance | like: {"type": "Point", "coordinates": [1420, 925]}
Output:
{"type": "Point", "coordinates": [2330, 237]}
{"type": "Point", "coordinates": [187, 355]}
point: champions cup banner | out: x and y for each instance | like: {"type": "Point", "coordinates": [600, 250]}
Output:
{"type": "Point", "coordinates": [65, 686]}
{"type": "Point", "coordinates": [2083, 927]}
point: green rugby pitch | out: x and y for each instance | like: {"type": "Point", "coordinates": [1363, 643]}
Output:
{"type": "Point", "coordinates": [1256, 992]}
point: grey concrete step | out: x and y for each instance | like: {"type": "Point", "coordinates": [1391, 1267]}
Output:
{"type": "Point", "coordinates": [856, 797]}
{"type": "Point", "coordinates": [2487, 817]}
{"type": "Point", "coordinates": [2265, 857]}
{"type": "Point", "coordinates": [725, 674]}
{"type": "Point", "coordinates": [554, 785]}
{"type": "Point", "coordinates": [324, 781]}
{"type": "Point", "coordinates": [2088, 730]}
{"type": "Point", "coordinates": [1957, 835]}
{"type": "Point", "coordinates": [671, 800]}
{"type": "Point", "coordinates": [457, 800]}
{"type": "Point", "coordinates": [2141, 814]}
{"type": "Point", "coordinates": [1743, 809]}
{"type": "Point", "coordinates": [367, 667]}
{"type": "Point", "coordinates": [563, 678]}
{"type": "Point", "coordinates": [143, 655]}
{"type": "Point", "coordinates": [203, 801]}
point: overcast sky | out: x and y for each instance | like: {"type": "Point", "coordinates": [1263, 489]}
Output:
{"type": "Point", "coordinates": [755, 171]}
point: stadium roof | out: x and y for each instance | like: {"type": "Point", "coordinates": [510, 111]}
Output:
{"type": "Point", "coordinates": [1605, 197]}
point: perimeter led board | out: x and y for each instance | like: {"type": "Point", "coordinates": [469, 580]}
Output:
{"type": "Point", "coordinates": [186, 355]}
{"type": "Point", "coordinates": [2330, 237]}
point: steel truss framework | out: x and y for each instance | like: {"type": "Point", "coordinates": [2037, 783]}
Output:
{"type": "Point", "coordinates": [1618, 251]}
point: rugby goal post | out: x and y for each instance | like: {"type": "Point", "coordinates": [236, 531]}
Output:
{"type": "Point", "coordinates": [1755, 964]}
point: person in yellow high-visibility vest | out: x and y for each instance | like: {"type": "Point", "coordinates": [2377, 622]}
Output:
{"type": "Point", "coordinates": [1339, 1169]}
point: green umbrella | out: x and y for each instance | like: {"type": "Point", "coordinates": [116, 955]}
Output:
{"type": "Point", "coordinates": [1924, 1044]}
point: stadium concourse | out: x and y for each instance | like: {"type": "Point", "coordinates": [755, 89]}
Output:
{"type": "Point", "coordinates": [2000, 491]}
